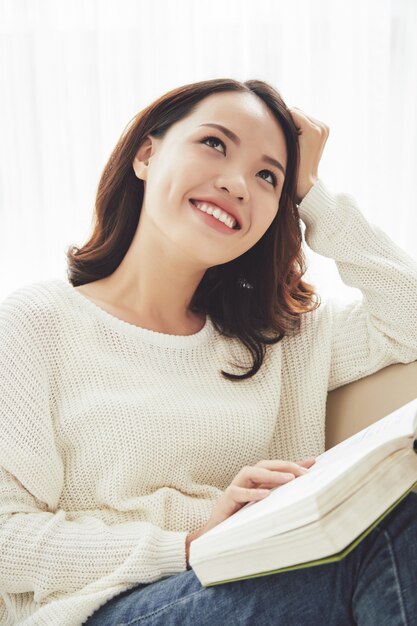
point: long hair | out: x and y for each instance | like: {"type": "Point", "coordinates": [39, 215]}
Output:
{"type": "Point", "coordinates": [256, 293]}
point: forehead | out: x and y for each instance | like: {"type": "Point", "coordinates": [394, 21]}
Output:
{"type": "Point", "coordinates": [245, 114]}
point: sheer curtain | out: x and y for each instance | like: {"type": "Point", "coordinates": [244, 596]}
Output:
{"type": "Point", "coordinates": [73, 74]}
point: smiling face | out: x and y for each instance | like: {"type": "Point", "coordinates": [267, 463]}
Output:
{"type": "Point", "coordinates": [196, 161]}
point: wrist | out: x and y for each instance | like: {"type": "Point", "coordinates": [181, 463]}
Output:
{"type": "Point", "coordinates": [189, 538]}
{"type": "Point", "coordinates": [187, 550]}
{"type": "Point", "coordinates": [301, 193]}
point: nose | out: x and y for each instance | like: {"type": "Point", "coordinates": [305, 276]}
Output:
{"type": "Point", "coordinates": [236, 186]}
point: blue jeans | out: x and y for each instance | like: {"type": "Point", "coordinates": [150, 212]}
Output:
{"type": "Point", "coordinates": [374, 585]}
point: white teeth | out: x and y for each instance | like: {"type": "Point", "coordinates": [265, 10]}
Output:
{"type": "Point", "coordinates": [217, 213]}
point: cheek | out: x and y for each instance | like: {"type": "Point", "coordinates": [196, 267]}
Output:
{"type": "Point", "coordinates": [258, 228]}
{"type": "Point", "coordinates": [264, 219]}
{"type": "Point", "coordinates": [179, 182]}
{"type": "Point", "coordinates": [163, 192]}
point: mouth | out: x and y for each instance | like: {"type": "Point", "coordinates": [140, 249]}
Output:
{"type": "Point", "coordinates": [211, 219]}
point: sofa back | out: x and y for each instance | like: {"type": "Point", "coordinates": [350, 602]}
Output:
{"type": "Point", "coordinates": [356, 405]}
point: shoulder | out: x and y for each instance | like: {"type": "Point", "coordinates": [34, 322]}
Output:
{"type": "Point", "coordinates": [31, 308]}
{"type": "Point", "coordinates": [316, 328]}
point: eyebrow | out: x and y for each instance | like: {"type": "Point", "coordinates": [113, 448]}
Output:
{"type": "Point", "coordinates": [236, 140]}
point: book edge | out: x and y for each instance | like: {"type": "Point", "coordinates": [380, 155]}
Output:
{"type": "Point", "coordinates": [329, 559]}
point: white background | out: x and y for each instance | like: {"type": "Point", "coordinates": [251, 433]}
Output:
{"type": "Point", "coordinates": [73, 74]}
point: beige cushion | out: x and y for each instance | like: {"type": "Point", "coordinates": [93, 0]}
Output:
{"type": "Point", "coordinates": [353, 407]}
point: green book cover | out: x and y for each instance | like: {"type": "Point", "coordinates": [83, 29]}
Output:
{"type": "Point", "coordinates": [328, 559]}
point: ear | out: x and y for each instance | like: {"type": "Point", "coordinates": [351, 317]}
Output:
{"type": "Point", "coordinates": [143, 155]}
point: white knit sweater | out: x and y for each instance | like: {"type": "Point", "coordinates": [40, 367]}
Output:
{"type": "Point", "coordinates": [116, 441]}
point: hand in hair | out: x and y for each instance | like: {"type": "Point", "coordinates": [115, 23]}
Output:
{"type": "Point", "coordinates": [313, 135]}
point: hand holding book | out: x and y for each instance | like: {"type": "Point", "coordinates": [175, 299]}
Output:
{"type": "Point", "coordinates": [317, 519]}
{"type": "Point", "coordinates": [251, 484]}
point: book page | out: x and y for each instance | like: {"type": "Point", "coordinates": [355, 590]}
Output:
{"type": "Point", "coordinates": [306, 487]}
{"type": "Point", "coordinates": [372, 444]}
{"type": "Point", "coordinates": [400, 423]}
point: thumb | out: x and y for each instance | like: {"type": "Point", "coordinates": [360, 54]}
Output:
{"type": "Point", "coordinates": [307, 461]}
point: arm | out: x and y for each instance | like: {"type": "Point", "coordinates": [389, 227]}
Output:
{"type": "Point", "coordinates": [381, 329]}
{"type": "Point", "coordinates": [45, 553]}
{"type": "Point", "coordinates": [42, 550]}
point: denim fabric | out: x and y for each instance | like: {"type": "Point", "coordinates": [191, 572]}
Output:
{"type": "Point", "coordinates": [374, 585]}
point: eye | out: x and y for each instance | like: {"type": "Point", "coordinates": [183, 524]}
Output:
{"type": "Point", "coordinates": [272, 175]}
{"type": "Point", "coordinates": [219, 141]}
{"type": "Point", "coordinates": [215, 140]}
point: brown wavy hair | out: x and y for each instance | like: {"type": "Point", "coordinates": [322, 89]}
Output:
{"type": "Point", "coordinates": [256, 293]}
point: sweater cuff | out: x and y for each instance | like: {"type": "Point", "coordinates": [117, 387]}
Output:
{"type": "Point", "coordinates": [327, 216]}
{"type": "Point", "coordinates": [169, 552]}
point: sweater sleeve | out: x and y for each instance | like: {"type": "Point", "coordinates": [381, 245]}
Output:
{"type": "Point", "coordinates": [381, 328]}
{"type": "Point", "coordinates": [41, 550]}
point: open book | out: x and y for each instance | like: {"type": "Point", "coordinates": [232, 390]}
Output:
{"type": "Point", "coordinates": [320, 516]}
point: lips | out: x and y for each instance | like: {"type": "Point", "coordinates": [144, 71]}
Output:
{"type": "Point", "coordinates": [212, 222]}
{"type": "Point", "coordinates": [221, 205]}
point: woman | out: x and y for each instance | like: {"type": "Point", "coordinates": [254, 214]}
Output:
{"type": "Point", "coordinates": [183, 369]}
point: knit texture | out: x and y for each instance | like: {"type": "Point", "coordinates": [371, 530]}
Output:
{"type": "Point", "coordinates": [116, 441]}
